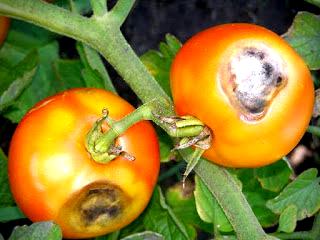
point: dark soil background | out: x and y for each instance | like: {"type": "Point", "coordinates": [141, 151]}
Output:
{"type": "Point", "coordinates": [150, 20]}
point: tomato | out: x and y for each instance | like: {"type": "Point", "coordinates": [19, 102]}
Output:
{"type": "Point", "coordinates": [250, 87]}
{"type": "Point", "coordinates": [4, 26]}
{"type": "Point", "coordinates": [53, 177]}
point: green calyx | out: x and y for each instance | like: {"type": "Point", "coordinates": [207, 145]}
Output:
{"type": "Point", "coordinates": [101, 144]}
{"type": "Point", "coordinates": [100, 150]}
{"type": "Point", "coordinates": [95, 133]}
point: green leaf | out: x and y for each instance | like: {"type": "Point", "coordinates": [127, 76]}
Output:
{"type": "Point", "coordinates": [182, 202]}
{"type": "Point", "coordinates": [288, 219]}
{"type": "Point", "coordinates": [304, 37]}
{"type": "Point", "coordinates": [315, 130]}
{"type": "Point", "coordinates": [10, 213]}
{"type": "Point", "coordinates": [95, 73]}
{"type": "Point", "coordinates": [159, 62]}
{"type": "Point", "coordinates": [208, 208]}
{"type": "Point", "coordinates": [11, 55]}
{"type": "Point", "coordinates": [82, 7]}
{"type": "Point", "coordinates": [17, 79]}
{"type": "Point", "coordinates": [314, 2]}
{"type": "Point", "coordinates": [303, 192]}
{"type": "Point", "coordinates": [52, 75]}
{"type": "Point", "coordinates": [44, 79]}
{"type": "Point", "coordinates": [134, 227]}
{"type": "Point", "coordinates": [22, 39]}
{"type": "Point", "coordinates": [257, 197]}
{"type": "Point", "coordinates": [166, 146]}
{"type": "Point", "coordinates": [92, 78]}
{"type": "Point", "coordinates": [275, 176]}
{"type": "Point", "coordinates": [68, 74]}
{"type": "Point", "coordinates": [160, 218]}
{"type": "Point", "coordinates": [26, 36]}
{"type": "Point", "coordinates": [41, 230]}
{"type": "Point", "coordinates": [111, 236]}
{"type": "Point", "coordinates": [6, 198]}
{"type": "Point", "coordinates": [147, 235]}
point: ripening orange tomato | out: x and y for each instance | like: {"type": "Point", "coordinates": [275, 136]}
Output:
{"type": "Point", "coordinates": [4, 26]}
{"type": "Point", "coordinates": [53, 177]}
{"type": "Point", "coordinates": [250, 87]}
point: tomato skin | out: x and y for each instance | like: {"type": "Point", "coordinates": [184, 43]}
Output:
{"type": "Point", "coordinates": [4, 26]}
{"type": "Point", "coordinates": [198, 77]}
{"type": "Point", "coordinates": [49, 166]}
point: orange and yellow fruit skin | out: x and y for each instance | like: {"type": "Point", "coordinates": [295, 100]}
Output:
{"type": "Point", "coordinates": [196, 75]}
{"type": "Point", "coordinates": [51, 173]}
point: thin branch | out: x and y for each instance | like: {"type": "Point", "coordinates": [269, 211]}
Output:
{"type": "Point", "coordinates": [294, 235]}
{"type": "Point", "coordinates": [99, 7]}
{"type": "Point", "coordinates": [121, 10]}
{"type": "Point", "coordinates": [52, 17]}
{"type": "Point", "coordinates": [73, 7]}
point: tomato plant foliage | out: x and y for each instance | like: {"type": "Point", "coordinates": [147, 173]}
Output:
{"type": "Point", "coordinates": [35, 65]}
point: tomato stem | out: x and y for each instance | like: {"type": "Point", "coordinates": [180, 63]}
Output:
{"type": "Point", "coordinates": [121, 10]}
{"type": "Point", "coordinates": [229, 196]}
{"type": "Point", "coordinates": [99, 7]}
{"type": "Point", "coordinates": [99, 143]}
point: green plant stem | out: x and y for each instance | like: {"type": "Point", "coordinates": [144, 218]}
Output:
{"type": "Point", "coordinates": [119, 127]}
{"type": "Point", "coordinates": [316, 227]}
{"type": "Point", "coordinates": [121, 10]}
{"type": "Point", "coordinates": [99, 146]}
{"type": "Point", "coordinates": [73, 7]}
{"type": "Point", "coordinates": [99, 7]}
{"type": "Point", "coordinates": [120, 55]}
{"type": "Point", "coordinates": [295, 235]}
{"type": "Point", "coordinates": [103, 34]}
{"type": "Point", "coordinates": [51, 17]}
{"type": "Point", "coordinates": [229, 196]}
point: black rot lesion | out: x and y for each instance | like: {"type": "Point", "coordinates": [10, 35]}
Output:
{"type": "Point", "coordinates": [253, 105]}
{"type": "Point", "coordinates": [101, 204]}
{"type": "Point", "coordinates": [92, 214]}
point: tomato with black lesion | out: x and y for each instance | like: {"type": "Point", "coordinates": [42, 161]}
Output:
{"type": "Point", "coordinates": [250, 87]}
{"type": "Point", "coordinates": [53, 177]}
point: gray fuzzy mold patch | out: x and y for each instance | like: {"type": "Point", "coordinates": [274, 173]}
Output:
{"type": "Point", "coordinates": [256, 75]}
